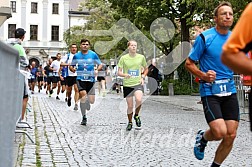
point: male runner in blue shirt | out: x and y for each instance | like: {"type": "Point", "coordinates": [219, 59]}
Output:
{"type": "Point", "coordinates": [83, 63]}
{"type": "Point", "coordinates": [217, 87]}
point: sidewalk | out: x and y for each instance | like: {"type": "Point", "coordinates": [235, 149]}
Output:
{"type": "Point", "coordinates": [166, 138]}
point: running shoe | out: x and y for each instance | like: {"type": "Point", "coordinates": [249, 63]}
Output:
{"type": "Point", "coordinates": [129, 127]}
{"type": "Point", "coordinates": [138, 121]}
{"type": "Point", "coordinates": [199, 146]}
{"type": "Point", "coordinates": [84, 121]}
{"type": "Point", "coordinates": [76, 107]}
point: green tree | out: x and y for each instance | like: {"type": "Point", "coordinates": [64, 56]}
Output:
{"type": "Point", "coordinates": [101, 18]}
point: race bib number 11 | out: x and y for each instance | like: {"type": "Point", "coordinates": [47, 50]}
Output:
{"type": "Point", "coordinates": [221, 87]}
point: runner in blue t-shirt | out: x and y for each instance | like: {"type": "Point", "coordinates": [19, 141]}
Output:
{"type": "Point", "coordinates": [63, 73]}
{"type": "Point", "coordinates": [33, 79]}
{"type": "Point", "coordinates": [217, 88]}
{"type": "Point", "coordinates": [83, 63]}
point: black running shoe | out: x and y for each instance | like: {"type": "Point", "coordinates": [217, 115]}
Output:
{"type": "Point", "coordinates": [57, 98]}
{"type": "Point", "coordinates": [84, 121]}
{"type": "Point", "coordinates": [138, 121]}
{"type": "Point", "coordinates": [129, 127]}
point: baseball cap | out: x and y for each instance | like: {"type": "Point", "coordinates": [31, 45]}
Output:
{"type": "Point", "coordinates": [20, 32]}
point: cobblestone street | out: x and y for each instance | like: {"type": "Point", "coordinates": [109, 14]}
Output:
{"type": "Point", "coordinates": [169, 125]}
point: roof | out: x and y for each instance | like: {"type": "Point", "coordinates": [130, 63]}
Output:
{"type": "Point", "coordinates": [74, 5]}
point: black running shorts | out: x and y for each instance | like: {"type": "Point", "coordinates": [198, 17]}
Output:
{"type": "Point", "coordinates": [63, 82]}
{"type": "Point", "coordinates": [55, 79]}
{"type": "Point", "coordinates": [129, 91]}
{"type": "Point", "coordinates": [99, 79]}
{"type": "Point", "coordinates": [87, 86]}
{"type": "Point", "coordinates": [225, 107]}
{"type": "Point", "coordinates": [70, 80]}
{"type": "Point", "coordinates": [40, 79]}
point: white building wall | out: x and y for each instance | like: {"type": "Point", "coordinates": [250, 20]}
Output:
{"type": "Point", "coordinates": [78, 21]}
{"type": "Point", "coordinates": [4, 3]}
{"type": "Point", "coordinates": [44, 18]}
{"type": "Point", "coordinates": [37, 19]}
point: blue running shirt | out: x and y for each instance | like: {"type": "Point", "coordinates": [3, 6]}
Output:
{"type": "Point", "coordinates": [209, 56]}
{"type": "Point", "coordinates": [33, 73]}
{"type": "Point", "coordinates": [64, 71]}
{"type": "Point", "coordinates": [84, 64]}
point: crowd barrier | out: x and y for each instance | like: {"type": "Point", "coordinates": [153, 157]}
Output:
{"type": "Point", "coordinates": [11, 101]}
{"type": "Point", "coordinates": [241, 94]}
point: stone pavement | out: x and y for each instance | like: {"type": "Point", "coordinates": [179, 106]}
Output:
{"type": "Point", "coordinates": [169, 124]}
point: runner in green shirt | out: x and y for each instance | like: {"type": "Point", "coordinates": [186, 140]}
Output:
{"type": "Point", "coordinates": [130, 67]}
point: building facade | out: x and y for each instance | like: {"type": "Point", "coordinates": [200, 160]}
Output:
{"type": "Point", "coordinates": [5, 11]}
{"type": "Point", "coordinates": [45, 22]}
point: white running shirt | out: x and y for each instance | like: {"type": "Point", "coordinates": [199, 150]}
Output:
{"type": "Point", "coordinates": [56, 66]}
{"type": "Point", "coordinates": [69, 61]}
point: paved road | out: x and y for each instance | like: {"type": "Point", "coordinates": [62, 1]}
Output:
{"type": "Point", "coordinates": [166, 139]}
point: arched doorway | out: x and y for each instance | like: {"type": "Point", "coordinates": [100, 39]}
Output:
{"type": "Point", "coordinates": [35, 60]}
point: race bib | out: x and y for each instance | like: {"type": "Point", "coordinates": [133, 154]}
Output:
{"type": "Point", "coordinates": [222, 88]}
{"type": "Point", "coordinates": [87, 74]}
{"type": "Point", "coordinates": [133, 73]}
{"type": "Point", "coordinates": [55, 74]}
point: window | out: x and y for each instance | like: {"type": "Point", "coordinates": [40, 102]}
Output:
{"type": "Point", "coordinates": [34, 7]}
{"type": "Point", "coordinates": [55, 8]}
{"type": "Point", "coordinates": [11, 30]}
{"type": "Point", "coordinates": [33, 32]}
{"type": "Point", "coordinates": [55, 33]}
{"type": "Point", "coordinates": [13, 6]}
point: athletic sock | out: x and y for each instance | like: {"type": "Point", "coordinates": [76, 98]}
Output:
{"type": "Point", "coordinates": [203, 140]}
{"type": "Point", "coordinates": [214, 164]}
{"type": "Point", "coordinates": [83, 108]}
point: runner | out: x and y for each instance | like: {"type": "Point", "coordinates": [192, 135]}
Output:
{"type": "Point", "coordinates": [130, 67]}
{"type": "Point", "coordinates": [55, 66]}
{"type": "Point", "coordinates": [101, 80]}
{"type": "Point", "coordinates": [33, 79]}
{"type": "Point", "coordinates": [63, 73]}
{"type": "Point", "coordinates": [217, 87]}
{"type": "Point", "coordinates": [83, 62]}
{"type": "Point", "coordinates": [71, 78]}
{"type": "Point", "coordinates": [40, 77]}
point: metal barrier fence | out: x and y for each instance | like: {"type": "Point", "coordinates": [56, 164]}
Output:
{"type": "Point", "coordinates": [240, 94]}
{"type": "Point", "coordinates": [11, 84]}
